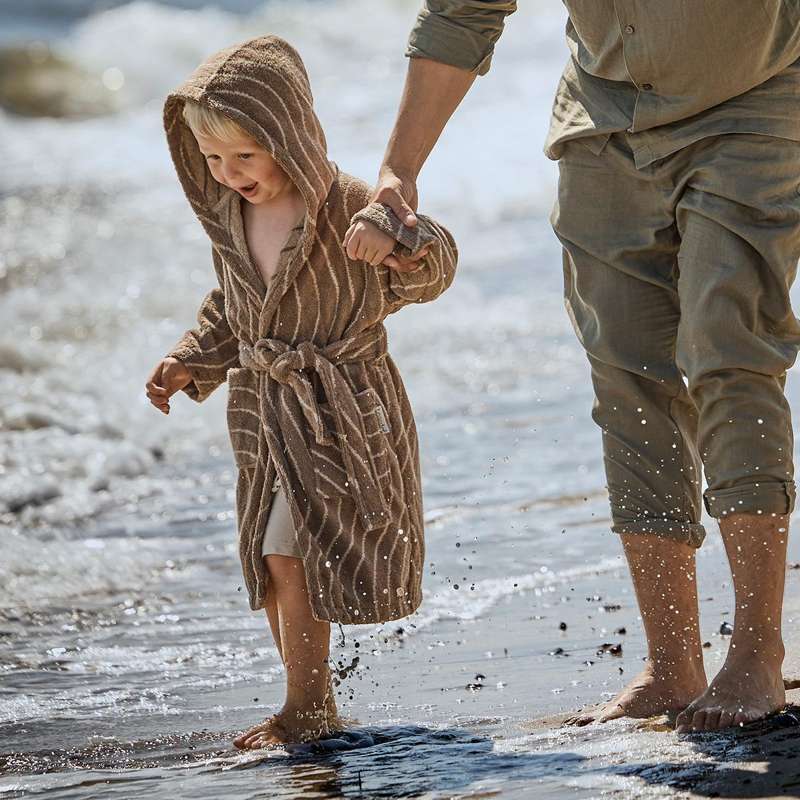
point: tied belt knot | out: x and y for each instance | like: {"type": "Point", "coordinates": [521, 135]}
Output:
{"type": "Point", "coordinates": [282, 365]}
{"type": "Point", "coordinates": [289, 366]}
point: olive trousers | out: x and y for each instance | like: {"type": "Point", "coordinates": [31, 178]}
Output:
{"type": "Point", "coordinates": [676, 279]}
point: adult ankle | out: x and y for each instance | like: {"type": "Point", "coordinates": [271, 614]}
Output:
{"type": "Point", "coordinates": [684, 672]}
{"type": "Point", "coordinates": [752, 644]}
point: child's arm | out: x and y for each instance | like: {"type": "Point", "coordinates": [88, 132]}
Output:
{"type": "Point", "coordinates": [428, 277]}
{"type": "Point", "coordinates": [208, 350]}
{"type": "Point", "coordinates": [211, 349]}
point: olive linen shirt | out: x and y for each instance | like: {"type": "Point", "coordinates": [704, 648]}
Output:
{"type": "Point", "coordinates": [672, 72]}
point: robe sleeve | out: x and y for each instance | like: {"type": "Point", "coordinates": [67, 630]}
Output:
{"type": "Point", "coordinates": [462, 33]}
{"type": "Point", "coordinates": [434, 273]}
{"type": "Point", "coordinates": [209, 350]}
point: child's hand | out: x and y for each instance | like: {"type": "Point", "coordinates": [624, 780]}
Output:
{"type": "Point", "coordinates": [364, 242]}
{"type": "Point", "coordinates": [168, 377]}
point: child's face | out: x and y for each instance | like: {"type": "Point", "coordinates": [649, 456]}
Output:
{"type": "Point", "coordinates": [243, 165]}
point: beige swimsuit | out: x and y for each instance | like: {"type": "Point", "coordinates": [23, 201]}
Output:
{"type": "Point", "coordinates": [279, 537]}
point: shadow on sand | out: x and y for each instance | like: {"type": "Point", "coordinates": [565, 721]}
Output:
{"type": "Point", "coordinates": [761, 760]}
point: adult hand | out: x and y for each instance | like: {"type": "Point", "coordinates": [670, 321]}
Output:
{"type": "Point", "coordinates": [167, 377]}
{"type": "Point", "coordinates": [400, 194]}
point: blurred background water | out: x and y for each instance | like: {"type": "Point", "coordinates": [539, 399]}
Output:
{"type": "Point", "coordinates": [126, 646]}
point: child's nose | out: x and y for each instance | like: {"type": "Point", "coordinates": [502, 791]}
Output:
{"type": "Point", "coordinates": [230, 172]}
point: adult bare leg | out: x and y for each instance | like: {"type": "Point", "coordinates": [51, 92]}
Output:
{"type": "Point", "coordinates": [750, 684]}
{"type": "Point", "coordinates": [664, 577]}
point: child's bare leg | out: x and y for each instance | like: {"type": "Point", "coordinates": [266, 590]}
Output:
{"type": "Point", "coordinates": [750, 685]}
{"type": "Point", "coordinates": [271, 609]}
{"type": "Point", "coordinates": [663, 573]}
{"type": "Point", "coordinates": [310, 709]}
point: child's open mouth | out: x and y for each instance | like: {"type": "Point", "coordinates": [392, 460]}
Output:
{"type": "Point", "coordinates": [247, 191]}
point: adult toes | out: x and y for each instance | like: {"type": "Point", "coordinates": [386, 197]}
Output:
{"type": "Point", "coordinates": [712, 719]}
{"type": "Point", "coordinates": [587, 716]}
{"type": "Point", "coordinates": [699, 720]}
{"type": "Point", "coordinates": [740, 719]}
{"type": "Point", "coordinates": [683, 722]}
{"type": "Point", "coordinates": [616, 712]}
{"type": "Point", "coordinates": [577, 719]}
{"type": "Point", "coordinates": [726, 718]}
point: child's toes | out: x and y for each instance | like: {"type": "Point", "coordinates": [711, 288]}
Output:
{"type": "Point", "coordinates": [241, 740]}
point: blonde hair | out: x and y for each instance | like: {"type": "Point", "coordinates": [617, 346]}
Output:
{"type": "Point", "coordinates": [206, 121]}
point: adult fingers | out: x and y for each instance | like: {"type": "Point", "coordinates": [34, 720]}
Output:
{"type": "Point", "coordinates": [391, 196]}
{"type": "Point", "coordinates": [406, 263]}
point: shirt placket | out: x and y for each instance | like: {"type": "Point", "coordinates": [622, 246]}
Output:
{"type": "Point", "coordinates": [638, 61]}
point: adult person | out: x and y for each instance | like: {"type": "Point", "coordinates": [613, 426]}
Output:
{"type": "Point", "coordinates": [677, 130]}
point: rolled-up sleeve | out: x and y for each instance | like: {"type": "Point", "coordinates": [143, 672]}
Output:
{"type": "Point", "coordinates": [461, 33]}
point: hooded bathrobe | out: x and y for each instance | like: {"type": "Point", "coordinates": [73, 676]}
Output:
{"type": "Point", "coordinates": [314, 399]}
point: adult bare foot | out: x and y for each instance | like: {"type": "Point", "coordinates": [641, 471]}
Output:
{"type": "Point", "coordinates": [647, 695]}
{"type": "Point", "coordinates": [749, 686]}
{"type": "Point", "coordinates": [745, 690]}
{"type": "Point", "coordinates": [288, 727]}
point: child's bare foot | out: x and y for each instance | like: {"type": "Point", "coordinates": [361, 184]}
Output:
{"type": "Point", "coordinates": [745, 690]}
{"type": "Point", "coordinates": [647, 695]}
{"type": "Point", "coordinates": [289, 727]}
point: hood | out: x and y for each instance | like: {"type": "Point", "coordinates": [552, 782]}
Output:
{"type": "Point", "coordinates": [263, 86]}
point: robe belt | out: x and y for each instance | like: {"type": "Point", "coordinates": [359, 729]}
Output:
{"type": "Point", "coordinates": [287, 365]}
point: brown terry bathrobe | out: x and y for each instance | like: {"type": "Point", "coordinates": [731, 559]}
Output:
{"type": "Point", "coordinates": [314, 398]}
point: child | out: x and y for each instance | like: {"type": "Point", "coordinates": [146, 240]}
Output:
{"type": "Point", "coordinates": [328, 494]}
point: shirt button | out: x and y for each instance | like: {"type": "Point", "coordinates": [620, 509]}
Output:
{"type": "Point", "coordinates": [647, 86]}
{"type": "Point", "coordinates": [629, 29]}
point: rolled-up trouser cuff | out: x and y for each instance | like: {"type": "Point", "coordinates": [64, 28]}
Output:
{"type": "Point", "coordinates": [691, 533]}
{"type": "Point", "coordinates": [751, 498]}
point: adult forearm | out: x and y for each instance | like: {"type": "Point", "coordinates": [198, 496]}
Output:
{"type": "Point", "coordinates": [432, 93]}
